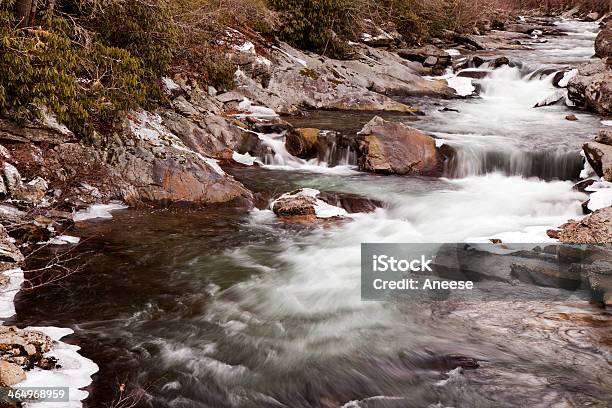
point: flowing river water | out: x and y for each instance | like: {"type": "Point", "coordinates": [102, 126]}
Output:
{"type": "Point", "coordinates": [219, 308]}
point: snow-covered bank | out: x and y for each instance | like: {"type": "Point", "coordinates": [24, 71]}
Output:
{"type": "Point", "coordinates": [75, 372]}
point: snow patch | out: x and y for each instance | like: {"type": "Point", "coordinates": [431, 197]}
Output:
{"type": "Point", "coordinates": [567, 77]}
{"type": "Point", "coordinates": [246, 159]}
{"type": "Point", "coordinates": [63, 240]}
{"type": "Point", "coordinates": [75, 371]}
{"type": "Point", "coordinates": [169, 85]}
{"type": "Point", "coordinates": [9, 291]}
{"type": "Point", "coordinates": [601, 196]}
{"type": "Point", "coordinates": [246, 47]}
{"type": "Point", "coordinates": [255, 111]}
{"type": "Point", "coordinates": [99, 211]}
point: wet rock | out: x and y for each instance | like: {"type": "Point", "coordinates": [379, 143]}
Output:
{"type": "Point", "coordinates": [599, 156]}
{"type": "Point", "coordinates": [591, 88]}
{"type": "Point", "coordinates": [352, 203]}
{"type": "Point", "coordinates": [304, 205]}
{"type": "Point", "coordinates": [603, 42]}
{"type": "Point", "coordinates": [593, 229]}
{"type": "Point", "coordinates": [295, 205]}
{"type": "Point", "coordinates": [500, 62]}
{"type": "Point", "coordinates": [571, 117]}
{"type": "Point", "coordinates": [10, 374]}
{"type": "Point", "coordinates": [604, 136]}
{"type": "Point", "coordinates": [393, 148]}
{"type": "Point", "coordinates": [475, 74]}
{"type": "Point", "coordinates": [271, 126]}
{"type": "Point", "coordinates": [302, 142]}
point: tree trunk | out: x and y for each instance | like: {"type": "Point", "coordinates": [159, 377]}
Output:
{"type": "Point", "coordinates": [23, 10]}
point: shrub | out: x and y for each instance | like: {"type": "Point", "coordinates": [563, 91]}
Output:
{"type": "Point", "coordinates": [314, 24]}
{"type": "Point", "coordinates": [46, 67]}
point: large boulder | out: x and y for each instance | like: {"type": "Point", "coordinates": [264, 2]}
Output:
{"type": "Point", "coordinates": [302, 142]}
{"type": "Point", "coordinates": [599, 156]}
{"type": "Point", "coordinates": [593, 229]}
{"type": "Point", "coordinates": [156, 166]}
{"type": "Point", "coordinates": [394, 148]}
{"type": "Point", "coordinates": [591, 87]}
{"type": "Point", "coordinates": [603, 42]}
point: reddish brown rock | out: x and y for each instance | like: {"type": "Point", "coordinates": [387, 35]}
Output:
{"type": "Point", "coordinates": [394, 148]}
{"type": "Point", "coordinates": [302, 142]}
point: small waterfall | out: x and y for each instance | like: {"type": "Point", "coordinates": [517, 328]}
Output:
{"type": "Point", "coordinates": [547, 164]}
{"type": "Point", "coordinates": [333, 150]}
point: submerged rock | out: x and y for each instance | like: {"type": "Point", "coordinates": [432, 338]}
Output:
{"type": "Point", "coordinates": [393, 148]}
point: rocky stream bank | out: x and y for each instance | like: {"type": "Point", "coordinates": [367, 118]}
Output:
{"type": "Point", "coordinates": [184, 154]}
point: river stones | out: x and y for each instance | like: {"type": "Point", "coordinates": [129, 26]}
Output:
{"type": "Point", "coordinates": [593, 229]}
{"type": "Point", "coordinates": [22, 349]}
{"type": "Point", "coordinates": [302, 142]}
{"type": "Point", "coordinates": [599, 156]}
{"type": "Point", "coordinates": [394, 148]}
{"type": "Point", "coordinates": [10, 374]}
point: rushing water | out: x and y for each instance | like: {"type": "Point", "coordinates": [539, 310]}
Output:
{"type": "Point", "coordinates": [222, 309]}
